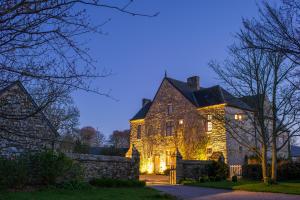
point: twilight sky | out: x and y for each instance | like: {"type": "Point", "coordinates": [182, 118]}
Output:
{"type": "Point", "coordinates": [182, 40]}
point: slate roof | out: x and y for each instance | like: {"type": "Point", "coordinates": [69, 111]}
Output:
{"type": "Point", "coordinates": [295, 151]}
{"type": "Point", "coordinates": [200, 98]}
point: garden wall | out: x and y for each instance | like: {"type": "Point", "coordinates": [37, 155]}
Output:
{"type": "Point", "coordinates": [114, 167]}
{"type": "Point", "coordinates": [190, 169]}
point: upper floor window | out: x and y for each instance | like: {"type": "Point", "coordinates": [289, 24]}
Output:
{"type": "Point", "coordinates": [169, 128]}
{"type": "Point", "coordinates": [139, 132]}
{"type": "Point", "coordinates": [238, 117]}
{"type": "Point", "coordinates": [240, 149]}
{"type": "Point", "coordinates": [209, 117]}
{"type": "Point", "coordinates": [209, 124]}
{"type": "Point", "coordinates": [170, 109]}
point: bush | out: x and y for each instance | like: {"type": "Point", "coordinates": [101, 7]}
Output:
{"type": "Point", "coordinates": [252, 171]}
{"type": "Point", "coordinates": [218, 178]}
{"type": "Point", "coordinates": [288, 171]}
{"type": "Point", "coordinates": [13, 173]}
{"type": "Point", "coordinates": [74, 185]}
{"type": "Point", "coordinates": [219, 169]}
{"type": "Point", "coordinates": [44, 168]}
{"type": "Point", "coordinates": [117, 183]}
{"type": "Point", "coordinates": [234, 179]}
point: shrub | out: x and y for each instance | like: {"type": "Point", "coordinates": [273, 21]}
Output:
{"type": "Point", "coordinates": [116, 183]}
{"type": "Point", "coordinates": [13, 173]}
{"type": "Point", "coordinates": [218, 178]}
{"type": "Point", "coordinates": [252, 171]}
{"type": "Point", "coordinates": [219, 169]}
{"type": "Point", "coordinates": [234, 179]}
{"type": "Point", "coordinates": [288, 171]}
{"type": "Point", "coordinates": [48, 168]}
{"type": "Point", "coordinates": [74, 185]}
{"type": "Point", "coordinates": [44, 168]}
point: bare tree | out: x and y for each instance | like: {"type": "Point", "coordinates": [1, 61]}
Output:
{"type": "Point", "coordinates": [276, 32]}
{"type": "Point", "coordinates": [120, 139]}
{"type": "Point", "coordinates": [247, 75]}
{"type": "Point", "coordinates": [41, 45]}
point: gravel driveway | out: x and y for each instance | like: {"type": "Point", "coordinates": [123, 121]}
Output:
{"type": "Point", "coordinates": [200, 193]}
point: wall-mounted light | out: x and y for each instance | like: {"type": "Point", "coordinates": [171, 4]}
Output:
{"type": "Point", "coordinates": [181, 121]}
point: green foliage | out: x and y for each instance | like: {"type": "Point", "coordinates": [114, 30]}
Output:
{"type": "Point", "coordinates": [44, 168]}
{"type": "Point", "coordinates": [219, 169]}
{"type": "Point", "coordinates": [252, 171]}
{"type": "Point", "coordinates": [81, 148]}
{"type": "Point", "coordinates": [289, 171]}
{"type": "Point", "coordinates": [234, 179]}
{"type": "Point", "coordinates": [117, 183]}
{"type": "Point", "coordinates": [13, 173]}
{"type": "Point", "coordinates": [74, 185]}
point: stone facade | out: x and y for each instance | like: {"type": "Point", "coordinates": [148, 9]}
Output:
{"type": "Point", "coordinates": [23, 127]}
{"type": "Point", "coordinates": [113, 167]}
{"type": "Point", "coordinates": [193, 120]}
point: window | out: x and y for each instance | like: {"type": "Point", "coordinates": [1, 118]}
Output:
{"type": "Point", "coordinates": [180, 121]}
{"type": "Point", "coordinates": [170, 109]}
{"type": "Point", "coordinates": [209, 117]}
{"type": "Point", "coordinates": [139, 132]}
{"type": "Point", "coordinates": [209, 126]}
{"type": "Point", "coordinates": [209, 123]}
{"type": "Point", "coordinates": [209, 151]}
{"type": "Point", "coordinates": [240, 149]}
{"type": "Point", "coordinates": [169, 128]}
{"type": "Point", "coordinates": [238, 117]}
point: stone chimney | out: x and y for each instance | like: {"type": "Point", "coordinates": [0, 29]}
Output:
{"type": "Point", "coordinates": [193, 82]}
{"type": "Point", "coordinates": [145, 101]}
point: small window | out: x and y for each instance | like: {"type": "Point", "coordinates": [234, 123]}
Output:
{"type": "Point", "coordinates": [180, 121]}
{"type": "Point", "coordinates": [238, 117]}
{"type": "Point", "coordinates": [209, 126]}
{"type": "Point", "coordinates": [240, 149]}
{"type": "Point", "coordinates": [139, 132]}
{"type": "Point", "coordinates": [209, 117]}
{"type": "Point", "coordinates": [169, 128]}
{"type": "Point", "coordinates": [170, 109]}
{"type": "Point", "coordinates": [209, 151]}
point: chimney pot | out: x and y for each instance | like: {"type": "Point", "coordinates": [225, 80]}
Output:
{"type": "Point", "coordinates": [194, 82]}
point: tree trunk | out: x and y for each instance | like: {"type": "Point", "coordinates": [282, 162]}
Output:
{"type": "Point", "coordinates": [274, 160]}
{"type": "Point", "coordinates": [264, 164]}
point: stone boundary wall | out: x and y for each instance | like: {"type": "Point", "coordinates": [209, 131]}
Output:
{"type": "Point", "coordinates": [190, 169]}
{"type": "Point", "coordinates": [113, 167]}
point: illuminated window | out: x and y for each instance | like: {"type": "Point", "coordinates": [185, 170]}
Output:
{"type": "Point", "coordinates": [181, 121]}
{"type": "Point", "coordinates": [238, 117]}
{"type": "Point", "coordinates": [209, 126]}
{"type": "Point", "coordinates": [169, 128]}
{"type": "Point", "coordinates": [209, 150]}
{"type": "Point", "coordinates": [139, 132]}
{"type": "Point", "coordinates": [209, 117]}
{"type": "Point", "coordinates": [170, 109]}
{"type": "Point", "coordinates": [209, 123]}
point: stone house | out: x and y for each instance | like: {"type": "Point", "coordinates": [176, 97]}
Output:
{"type": "Point", "coordinates": [191, 119]}
{"type": "Point", "coordinates": [23, 126]}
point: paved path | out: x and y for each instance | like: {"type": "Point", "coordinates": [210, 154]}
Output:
{"type": "Point", "coordinates": [199, 193]}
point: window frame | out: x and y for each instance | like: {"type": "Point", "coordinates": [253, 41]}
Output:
{"type": "Point", "coordinates": [169, 128]}
{"type": "Point", "coordinates": [139, 132]}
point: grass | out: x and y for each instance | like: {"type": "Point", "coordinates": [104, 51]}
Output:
{"type": "Point", "coordinates": [255, 186]}
{"type": "Point", "coordinates": [88, 194]}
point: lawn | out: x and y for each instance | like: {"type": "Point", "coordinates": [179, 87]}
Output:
{"type": "Point", "coordinates": [88, 194]}
{"type": "Point", "coordinates": [281, 187]}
